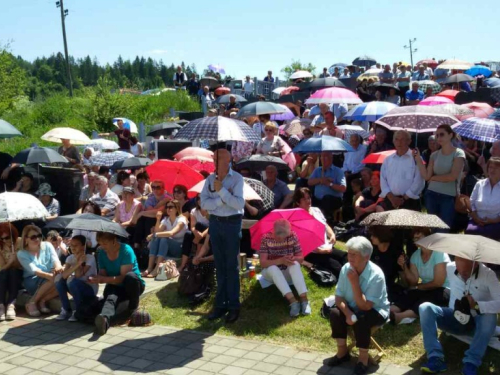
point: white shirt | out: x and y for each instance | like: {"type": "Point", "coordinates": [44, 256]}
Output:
{"type": "Point", "coordinates": [199, 217]}
{"type": "Point", "coordinates": [169, 226]}
{"type": "Point", "coordinates": [318, 215]}
{"type": "Point", "coordinates": [485, 200]}
{"type": "Point", "coordinates": [484, 288]}
{"type": "Point", "coordinates": [352, 160]}
{"type": "Point", "coordinates": [429, 71]}
{"type": "Point", "coordinates": [89, 261]}
{"type": "Point", "coordinates": [248, 87]}
{"type": "Point", "coordinates": [399, 175]}
{"type": "Point", "coordinates": [344, 76]}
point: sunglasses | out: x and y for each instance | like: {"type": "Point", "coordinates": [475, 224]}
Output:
{"type": "Point", "coordinates": [269, 130]}
{"type": "Point", "coordinates": [35, 237]}
{"type": "Point", "coordinates": [156, 187]}
{"type": "Point", "coordinates": [170, 207]}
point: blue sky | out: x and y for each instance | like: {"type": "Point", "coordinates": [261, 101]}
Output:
{"type": "Point", "coordinates": [250, 37]}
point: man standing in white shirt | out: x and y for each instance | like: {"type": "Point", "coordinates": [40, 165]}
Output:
{"type": "Point", "coordinates": [248, 87]}
{"type": "Point", "coordinates": [475, 298]}
{"type": "Point", "coordinates": [400, 180]}
{"type": "Point", "coordinates": [206, 100]}
{"type": "Point", "coordinates": [180, 79]}
{"type": "Point", "coordinates": [345, 74]}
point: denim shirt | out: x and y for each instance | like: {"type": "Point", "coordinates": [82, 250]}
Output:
{"type": "Point", "coordinates": [229, 200]}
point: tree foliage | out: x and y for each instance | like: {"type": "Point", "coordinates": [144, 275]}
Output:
{"type": "Point", "coordinates": [297, 65]}
{"type": "Point", "coordinates": [12, 79]}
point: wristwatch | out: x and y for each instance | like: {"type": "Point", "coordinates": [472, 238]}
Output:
{"type": "Point", "coordinates": [476, 307]}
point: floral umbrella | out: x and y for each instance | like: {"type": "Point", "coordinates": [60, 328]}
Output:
{"type": "Point", "coordinates": [404, 218]}
{"type": "Point", "coordinates": [20, 206]}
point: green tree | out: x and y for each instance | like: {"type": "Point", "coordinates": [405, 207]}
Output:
{"type": "Point", "coordinates": [13, 80]}
{"type": "Point", "coordinates": [297, 65]}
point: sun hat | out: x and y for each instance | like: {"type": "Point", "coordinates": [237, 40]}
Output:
{"type": "Point", "coordinates": [45, 189]}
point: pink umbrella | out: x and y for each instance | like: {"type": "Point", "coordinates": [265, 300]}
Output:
{"type": "Point", "coordinates": [199, 163]}
{"type": "Point", "coordinates": [311, 232]}
{"type": "Point", "coordinates": [249, 194]}
{"type": "Point", "coordinates": [334, 95]}
{"type": "Point", "coordinates": [482, 110]}
{"type": "Point", "coordinates": [194, 151]}
{"type": "Point", "coordinates": [436, 100]}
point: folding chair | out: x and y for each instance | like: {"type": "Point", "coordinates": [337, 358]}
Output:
{"type": "Point", "coordinates": [374, 360]}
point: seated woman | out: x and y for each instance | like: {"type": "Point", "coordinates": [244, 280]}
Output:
{"type": "Point", "coordinates": [386, 252]}
{"type": "Point", "coordinates": [11, 273]}
{"type": "Point", "coordinates": [198, 233]}
{"type": "Point", "coordinates": [367, 202]}
{"type": "Point", "coordinates": [122, 180]}
{"type": "Point", "coordinates": [91, 245]}
{"type": "Point", "coordinates": [180, 193]}
{"type": "Point", "coordinates": [142, 187]}
{"type": "Point", "coordinates": [426, 277]}
{"type": "Point", "coordinates": [280, 259]}
{"type": "Point", "coordinates": [40, 264]}
{"type": "Point", "coordinates": [74, 279]}
{"type": "Point", "coordinates": [166, 240]}
{"type": "Point", "coordinates": [46, 196]}
{"type": "Point", "coordinates": [485, 203]}
{"type": "Point", "coordinates": [126, 210]}
{"type": "Point", "coordinates": [118, 269]}
{"type": "Point", "coordinates": [361, 302]}
{"type": "Point", "coordinates": [309, 164]}
{"type": "Point", "coordinates": [325, 256]}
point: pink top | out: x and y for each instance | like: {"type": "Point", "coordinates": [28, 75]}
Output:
{"type": "Point", "coordinates": [126, 216]}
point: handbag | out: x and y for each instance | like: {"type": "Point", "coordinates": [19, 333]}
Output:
{"type": "Point", "coordinates": [140, 318]}
{"type": "Point", "coordinates": [168, 270]}
{"type": "Point", "coordinates": [322, 277]}
{"type": "Point", "coordinates": [191, 280]}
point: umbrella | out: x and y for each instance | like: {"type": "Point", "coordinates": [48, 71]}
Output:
{"type": "Point", "coordinates": [334, 95]}
{"type": "Point", "coordinates": [173, 173]}
{"type": "Point", "coordinates": [225, 99]}
{"type": "Point", "coordinates": [495, 115]}
{"type": "Point", "coordinates": [8, 130]}
{"type": "Point", "coordinates": [492, 82]}
{"type": "Point", "coordinates": [222, 91]}
{"type": "Point", "coordinates": [354, 129]}
{"type": "Point", "coordinates": [457, 78]}
{"type": "Point", "coordinates": [479, 70]}
{"type": "Point", "coordinates": [311, 232]}
{"type": "Point", "coordinates": [455, 65]}
{"type": "Point", "coordinates": [450, 94]}
{"type": "Point", "coordinates": [404, 218]}
{"type": "Point", "coordinates": [109, 158]}
{"type": "Point", "coordinates": [62, 222]}
{"type": "Point", "coordinates": [20, 206]}
{"type": "Point", "coordinates": [377, 157]}
{"type": "Point", "coordinates": [217, 68]}
{"type": "Point", "coordinates": [211, 82]}
{"type": "Point", "coordinates": [370, 73]}
{"type": "Point", "coordinates": [131, 163]}
{"type": "Point", "coordinates": [165, 128]}
{"type": "Point", "coordinates": [371, 111]}
{"type": "Point", "coordinates": [314, 111]}
{"type": "Point", "coordinates": [39, 155]}
{"type": "Point", "coordinates": [482, 110]}
{"type": "Point", "coordinates": [95, 223]}
{"type": "Point", "coordinates": [199, 163]}
{"type": "Point", "coordinates": [480, 129]}
{"type": "Point", "coordinates": [260, 108]}
{"type": "Point", "coordinates": [384, 88]}
{"type": "Point", "coordinates": [301, 74]}
{"type": "Point", "coordinates": [218, 129]}
{"type": "Point", "coordinates": [296, 126]}
{"type": "Point", "coordinates": [417, 118]}
{"type": "Point", "coordinates": [459, 111]}
{"type": "Point", "coordinates": [289, 90]}
{"type": "Point", "coordinates": [435, 100]}
{"type": "Point", "coordinates": [258, 163]}
{"type": "Point", "coordinates": [320, 83]}
{"type": "Point", "coordinates": [75, 136]}
{"type": "Point", "coordinates": [430, 62]}
{"type": "Point", "coordinates": [127, 124]}
{"type": "Point", "coordinates": [424, 85]}
{"type": "Point", "coordinates": [340, 66]}
{"type": "Point", "coordinates": [104, 144]}
{"type": "Point", "coordinates": [364, 61]}
{"type": "Point", "coordinates": [285, 116]}
{"type": "Point", "coordinates": [249, 194]}
{"type": "Point", "coordinates": [468, 246]}
{"type": "Point", "coordinates": [324, 143]}
{"type": "Point", "coordinates": [194, 151]}
{"type": "Point", "coordinates": [279, 90]}
{"type": "Point", "coordinates": [266, 194]}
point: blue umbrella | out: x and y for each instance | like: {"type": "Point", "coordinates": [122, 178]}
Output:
{"type": "Point", "coordinates": [495, 115]}
{"type": "Point", "coordinates": [371, 111]}
{"type": "Point", "coordinates": [324, 143]}
{"type": "Point", "coordinates": [492, 82]}
{"type": "Point", "coordinates": [287, 115]}
{"type": "Point", "coordinates": [480, 129]}
{"type": "Point", "coordinates": [341, 66]}
{"type": "Point", "coordinates": [479, 70]}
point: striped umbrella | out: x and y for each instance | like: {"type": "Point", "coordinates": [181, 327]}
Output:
{"type": "Point", "coordinates": [371, 111]}
{"type": "Point", "coordinates": [334, 95]}
{"type": "Point", "coordinates": [424, 85]}
{"type": "Point", "coordinates": [435, 100]}
{"type": "Point", "coordinates": [480, 129]}
{"type": "Point", "coordinates": [482, 110]}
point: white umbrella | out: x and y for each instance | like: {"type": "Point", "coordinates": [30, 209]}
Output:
{"type": "Point", "coordinates": [20, 206]}
{"type": "Point", "coordinates": [301, 74]}
{"type": "Point", "coordinates": [455, 64]}
{"type": "Point", "coordinates": [104, 144]}
{"type": "Point", "coordinates": [133, 126]}
{"type": "Point", "coordinates": [76, 137]}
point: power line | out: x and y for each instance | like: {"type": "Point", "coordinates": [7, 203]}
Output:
{"type": "Point", "coordinates": [412, 51]}
{"type": "Point", "coordinates": [64, 13]}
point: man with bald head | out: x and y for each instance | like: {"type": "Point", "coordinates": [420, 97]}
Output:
{"type": "Point", "coordinates": [283, 196]}
{"type": "Point", "coordinates": [222, 197]}
{"type": "Point", "coordinates": [494, 152]}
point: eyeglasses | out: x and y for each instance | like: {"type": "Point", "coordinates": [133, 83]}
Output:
{"type": "Point", "coordinates": [35, 237]}
{"type": "Point", "coordinates": [156, 187]}
{"type": "Point", "coordinates": [168, 207]}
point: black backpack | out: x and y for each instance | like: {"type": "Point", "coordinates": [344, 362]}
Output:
{"type": "Point", "coordinates": [323, 277]}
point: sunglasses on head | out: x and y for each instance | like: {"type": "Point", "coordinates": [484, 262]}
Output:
{"type": "Point", "coordinates": [156, 187]}
{"type": "Point", "coordinates": [35, 237]}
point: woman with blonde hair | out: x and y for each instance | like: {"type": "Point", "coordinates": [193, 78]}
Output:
{"type": "Point", "coordinates": [271, 144]}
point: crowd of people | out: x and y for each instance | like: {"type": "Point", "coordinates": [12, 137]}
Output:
{"type": "Point", "coordinates": [383, 276]}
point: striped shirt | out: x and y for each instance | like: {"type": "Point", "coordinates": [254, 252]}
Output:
{"type": "Point", "coordinates": [279, 249]}
{"type": "Point", "coordinates": [109, 202]}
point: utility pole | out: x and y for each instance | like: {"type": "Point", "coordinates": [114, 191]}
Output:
{"type": "Point", "coordinates": [64, 13]}
{"type": "Point", "coordinates": [412, 51]}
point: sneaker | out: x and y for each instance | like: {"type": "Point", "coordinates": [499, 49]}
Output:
{"type": "Point", "coordinates": [360, 369]}
{"type": "Point", "coordinates": [11, 312]}
{"type": "Point", "coordinates": [434, 365]}
{"type": "Point", "coordinates": [72, 318]}
{"type": "Point", "coordinates": [294, 309]}
{"type": "Point", "coordinates": [469, 369]}
{"type": "Point", "coordinates": [305, 307]}
{"type": "Point", "coordinates": [64, 315]}
{"type": "Point", "coordinates": [2, 313]}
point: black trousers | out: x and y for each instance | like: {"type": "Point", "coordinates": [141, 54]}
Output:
{"type": "Point", "coordinates": [131, 289]}
{"type": "Point", "coordinates": [187, 243]}
{"type": "Point", "coordinates": [328, 204]}
{"type": "Point", "coordinates": [362, 328]}
{"type": "Point", "coordinates": [333, 261]}
{"type": "Point", "coordinates": [143, 228]}
{"type": "Point", "coordinates": [412, 299]}
{"type": "Point", "coordinates": [10, 282]}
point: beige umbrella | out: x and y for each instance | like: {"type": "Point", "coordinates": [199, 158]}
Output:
{"type": "Point", "coordinates": [76, 137]}
{"type": "Point", "coordinates": [455, 64]}
{"type": "Point", "coordinates": [404, 218]}
{"type": "Point", "coordinates": [475, 248]}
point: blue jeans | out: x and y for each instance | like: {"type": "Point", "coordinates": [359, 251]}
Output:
{"type": "Point", "coordinates": [79, 289]}
{"type": "Point", "coordinates": [225, 235]}
{"type": "Point", "coordinates": [433, 317]}
{"type": "Point", "coordinates": [441, 205]}
{"type": "Point", "coordinates": [165, 247]}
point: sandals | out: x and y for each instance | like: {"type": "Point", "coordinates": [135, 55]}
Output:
{"type": "Point", "coordinates": [32, 310]}
{"type": "Point", "coordinates": [336, 361]}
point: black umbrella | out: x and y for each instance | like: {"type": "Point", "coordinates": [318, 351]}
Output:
{"type": "Point", "coordinates": [319, 83]}
{"type": "Point", "coordinates": [61, 222]}
{"type": "Point", "coordinates": [91, 223]}
{"type": "Point", "coordinates": [263, 191]}
{"type": "Point", "coordinates": [366, 61]}
{"type": "Point", "coordinates": [132, 163]}
{"type": "Point", "coordinates": [260, 108]}
{"type": "Point", "coordinates": [211, 82]}
{"type": "Point", "coordinates": [182, 122]}
{"type": "Point", "coordinates": [165, 128]}
{"type": "Point", "coordinates": [258, 163]}
{"type": "Point", "coordinates": [38, 155]}
{"type": "Point", "coordinates": [457, 78]}
{"type": "Point", "coordinates": [384, 87]}
{"type": "Point", "coordinates": [225, 99]}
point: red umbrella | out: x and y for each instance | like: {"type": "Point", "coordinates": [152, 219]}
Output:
{"type": "Point", "coordinates": [289, 90]}
{"type": "Point", "coordinates": [199, 163]}
{"type": "Point", "coordinates": [430, 62]}
{"type": "Point", "coordinates": [173, 173]}
{"type": "Point", "coordinates": [450, 94]}
{"type": "Point", "coordinates": [377, 157]}
{"type": "Point", "coordinates": [194, 151]}
{"type": "Point", "coordinates": [482, 110]}
{"type": "Point", "coordinates": [222, 91]}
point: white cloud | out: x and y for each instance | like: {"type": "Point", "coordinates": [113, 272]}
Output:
{"type": "Point", "coordinates": [159, 52]}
